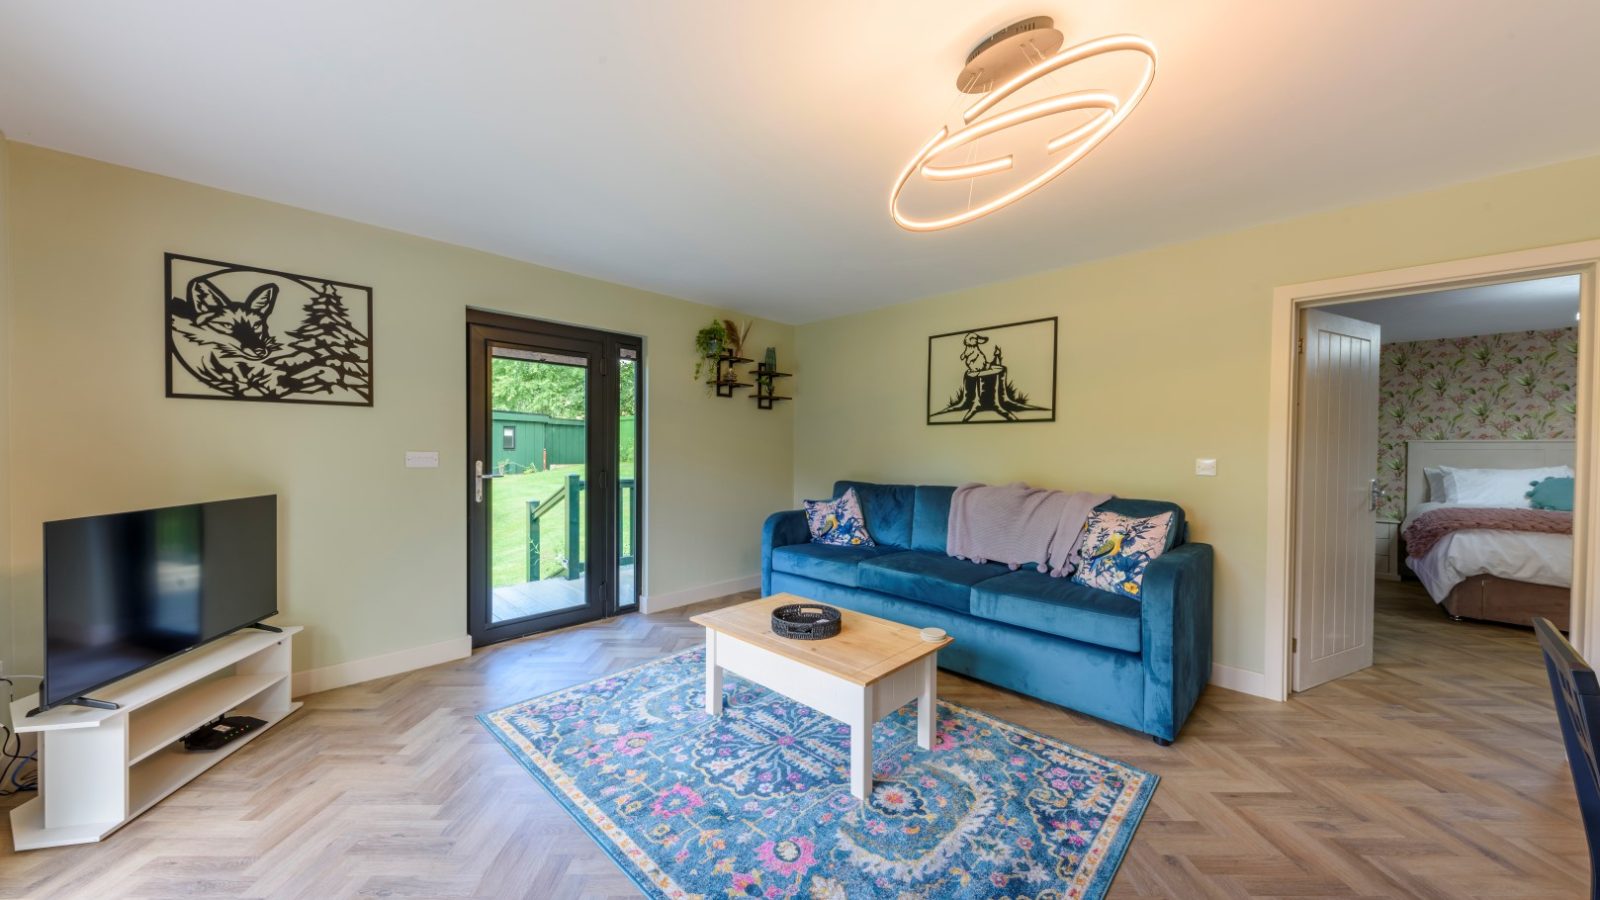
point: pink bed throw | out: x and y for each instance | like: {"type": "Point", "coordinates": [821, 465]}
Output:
{"type": "Point", "coordinates": [1432, 526]}
{"type": "Point", "coordinates": [1016, 524]}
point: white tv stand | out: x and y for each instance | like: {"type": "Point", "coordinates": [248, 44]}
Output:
{"type": "Point", "coordinates": [100, 768]}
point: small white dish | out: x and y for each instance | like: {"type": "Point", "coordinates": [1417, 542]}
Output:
{"type": "Point", "coordinates": [933, 635]}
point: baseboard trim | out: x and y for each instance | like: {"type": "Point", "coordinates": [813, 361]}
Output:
{"type": "Point", "coordinates": [655, 603]}
{"type": "Point", "coordinates": [1242, 680]}
{"type": "Point", "coordinates": [312, 681]}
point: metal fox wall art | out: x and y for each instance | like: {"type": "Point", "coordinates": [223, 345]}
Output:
{"type": "Point", "coordinates": [241, 333]}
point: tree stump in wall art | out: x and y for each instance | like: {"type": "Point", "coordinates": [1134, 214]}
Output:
{"type": "Point", "coordinates": [1003, 373]}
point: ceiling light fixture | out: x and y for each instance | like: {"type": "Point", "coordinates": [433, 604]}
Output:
{"type": "Point", "coordinates": [1014, 58]}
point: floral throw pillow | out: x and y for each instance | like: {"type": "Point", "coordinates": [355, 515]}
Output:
{"type": "Point", "coordinates": [1117, 548]}
{"type": "Point", "coordinates": [838, 521]}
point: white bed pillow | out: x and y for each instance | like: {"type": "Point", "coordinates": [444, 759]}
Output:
{"type": "Point", "coordinates": [1436, 485]}
{"type": "Point", "coordinates": [1495, 487]}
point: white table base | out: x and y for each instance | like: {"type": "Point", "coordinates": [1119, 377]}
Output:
{"type": "Point", "coordinates": [857, 705]}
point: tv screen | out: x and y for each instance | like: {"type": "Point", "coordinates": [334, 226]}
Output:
{"type": "Point", "coordinates": [125, 591]}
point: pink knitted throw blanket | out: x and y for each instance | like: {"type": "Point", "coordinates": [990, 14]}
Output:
{"type": "Point", "coordinates": [1432, 526]}
{"type": "Point", "coordinates": [1017, 525]}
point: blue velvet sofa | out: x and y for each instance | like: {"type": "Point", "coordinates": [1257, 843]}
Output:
{"type": "Point", "coordinates": [1140, 663]}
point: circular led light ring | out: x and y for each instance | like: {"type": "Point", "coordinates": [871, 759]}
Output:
{"type": "Point", "coordinates": [969, 170]}
{"type": "Point", "coordinates": [1106, 103]}
{"type": "Point", "coordinates": [1090, 135]}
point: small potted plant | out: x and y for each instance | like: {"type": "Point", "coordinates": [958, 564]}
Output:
{"type": "Point", "coordinates": [723, 339]}
{"type": "Point", "coordinates": [708, 345]}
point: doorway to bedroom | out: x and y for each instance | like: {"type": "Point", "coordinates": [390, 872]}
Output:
{"type": "Point", "coordinates": [1434, 482]}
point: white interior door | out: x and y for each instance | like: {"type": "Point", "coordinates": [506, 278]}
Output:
{"type": "Point", "coordinates": [1334, 500]}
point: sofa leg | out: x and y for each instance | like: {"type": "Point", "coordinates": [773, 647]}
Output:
{"type": "Point", "coordinates": [1160, 741]}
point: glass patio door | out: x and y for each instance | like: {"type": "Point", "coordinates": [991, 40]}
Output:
{"type": "Point", "coordinates": [629, 430]}
{"type": "Point", "coordinates": [552, 481]}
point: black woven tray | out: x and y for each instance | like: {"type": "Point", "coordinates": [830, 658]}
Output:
{"type": "Point", "coordinates": [805, 621]}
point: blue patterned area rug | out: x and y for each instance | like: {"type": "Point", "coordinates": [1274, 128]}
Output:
{"type": "Point", "coordinates": [757, 803]}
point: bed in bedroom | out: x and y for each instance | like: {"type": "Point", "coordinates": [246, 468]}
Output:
{"type": "Point", "coordinates": [1472, 538]}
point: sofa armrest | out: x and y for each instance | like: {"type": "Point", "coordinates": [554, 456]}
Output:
{"type": "Point", "coordinates": [782, 529]}
{"type": "Point", "coordinates": [1175, 611]}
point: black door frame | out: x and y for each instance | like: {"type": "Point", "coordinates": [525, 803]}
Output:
{"type": "Point", "coordinates": [603, 531]}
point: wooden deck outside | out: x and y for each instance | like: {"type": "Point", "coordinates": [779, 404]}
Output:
{"type": "Point", "coordinates": [536, 597]}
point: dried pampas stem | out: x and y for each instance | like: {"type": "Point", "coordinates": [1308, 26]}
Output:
{"type": "Point", "coordinates": [736, 335]}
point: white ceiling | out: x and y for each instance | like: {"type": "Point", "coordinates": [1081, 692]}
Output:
{"type": "Point", "coordinates": [1537, 305]}
{"type": "Point", "coordinates": [742, 153]}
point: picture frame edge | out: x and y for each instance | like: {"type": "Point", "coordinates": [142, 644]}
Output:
{"type": "Point", "coordinates": [172, 393]}
{"type": "Point", "coordinates": [1055, 370]}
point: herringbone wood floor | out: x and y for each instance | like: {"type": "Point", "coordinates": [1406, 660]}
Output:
{"type": "Point", "coordinates": [1436, 773]}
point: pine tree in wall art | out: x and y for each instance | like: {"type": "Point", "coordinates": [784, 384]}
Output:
{"type": "Point", "coordinates": [243, 333]}
{"type": "Point", "coordinates": [330, 352]}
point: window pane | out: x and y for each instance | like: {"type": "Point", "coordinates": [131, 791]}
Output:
{"type": "Point", "coordinates": [537, 521]}
{"type": "Point", "coordinates": [627, 483]}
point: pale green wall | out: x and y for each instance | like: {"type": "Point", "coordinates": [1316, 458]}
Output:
{"type": "Point", "coordinates": [373, 555]}
{"type": "Point", "coordinates": [1163, 358]}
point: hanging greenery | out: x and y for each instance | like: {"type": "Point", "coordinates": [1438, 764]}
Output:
{"type": "Point", "coordinates": [708, 344]}
{"type": "Point", "coordinates": [722, 338]}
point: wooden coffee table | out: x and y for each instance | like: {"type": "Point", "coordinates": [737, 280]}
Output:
{"type": "Point", "coordinates": [871, 668]}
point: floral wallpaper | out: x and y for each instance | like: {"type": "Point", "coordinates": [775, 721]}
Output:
{"type": "Point", "coordinates": [1516, 386]}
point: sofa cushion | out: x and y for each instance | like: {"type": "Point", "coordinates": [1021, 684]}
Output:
{"type": "Point", "coordinates": [1118, 548]}
{"type": "Point", "coordinates": [887, 509]}
{"type": "Point", "coordinates": [1029, 599]}
{"type": "Point", "coordinates": [930, 521]}
{"type": "Point", "coordinates": [927, 577]}
{"type": "Point", "coordinates": [1144, 509]}
{"type": "Point", "coordinates": [1547, 493]}
{"type": "Point", "coordinates": [826, 562]}
{"type": "Point", "coordinates": [838, 521]}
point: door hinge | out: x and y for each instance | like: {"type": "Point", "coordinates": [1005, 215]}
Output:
{"type": "Point", "coordinates": [1294, 645]}
{"type": "Point", "coordinates": [1300, 346]}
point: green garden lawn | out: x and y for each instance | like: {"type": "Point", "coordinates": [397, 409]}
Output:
{"type": "Point", "coordinates": [508, 523]}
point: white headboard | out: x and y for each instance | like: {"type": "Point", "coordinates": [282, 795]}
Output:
{"type": "Point", "coordinates": [1478, 455]}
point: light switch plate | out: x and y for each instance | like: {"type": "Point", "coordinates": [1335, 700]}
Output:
{"type": "Point", "coordinates": [422, 459]}
{"type": "Point", "coordinates": [1205, 467]}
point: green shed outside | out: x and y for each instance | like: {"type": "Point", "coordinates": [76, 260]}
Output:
{"type": "Point", "coordinates": [528, 442]}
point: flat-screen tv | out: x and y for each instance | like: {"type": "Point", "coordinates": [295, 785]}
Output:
{"type": "Point", "coordinates": [123, 592]}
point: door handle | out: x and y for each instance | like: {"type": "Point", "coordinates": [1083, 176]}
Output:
{"type": "Point", "coordinates": [1376, 495]}
{"type": "Point", "coordinates": [478, 478]}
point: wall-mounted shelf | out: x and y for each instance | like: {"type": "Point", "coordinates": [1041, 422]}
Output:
{"type": "Point", "coordinates": [727, 380]}
{"type": "Point", "coordinates": [761, 380]}
{"type": "Point", "coordinates": [100, 768]}
{"type": "Point", "coordinates": [766, 388]}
